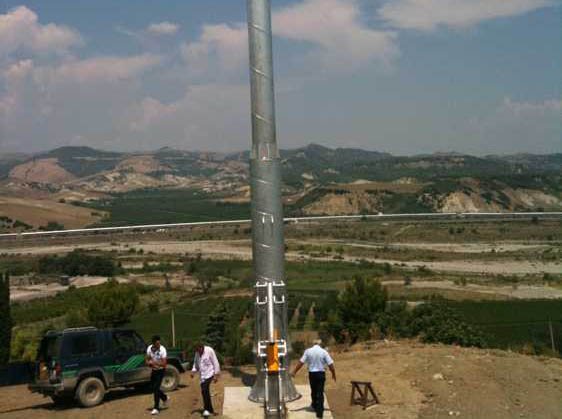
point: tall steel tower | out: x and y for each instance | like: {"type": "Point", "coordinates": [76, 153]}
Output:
{"type": "Point", "coordinates": [274, 386]}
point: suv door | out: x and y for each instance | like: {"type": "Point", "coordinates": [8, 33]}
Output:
{"type": "Point", "coordinates": [128, 350]}
{"type": "Point", "coordinates": [80, 351]}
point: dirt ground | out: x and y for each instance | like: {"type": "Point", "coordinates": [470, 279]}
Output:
{"type": "Point", "coordinates": [412, 380]}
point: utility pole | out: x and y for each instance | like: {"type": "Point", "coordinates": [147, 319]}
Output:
{"type": "Point", "coordinates": [273, 386]}
{"type": "Point", "coordinates": [551, 336]}
{"type": "Point", "coordinates": [173, 314]}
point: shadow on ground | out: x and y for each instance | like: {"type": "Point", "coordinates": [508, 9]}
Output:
{"type": "Point", "coordinates": [247, 379]}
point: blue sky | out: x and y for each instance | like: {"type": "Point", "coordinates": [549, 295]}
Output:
{"type": "Point", "coordinates": [402, 76]}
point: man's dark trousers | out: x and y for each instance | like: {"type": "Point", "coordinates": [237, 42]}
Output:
{"type": "Point", "coordinates": [156, 380]}
{"type": "Point", "coordinates": [317, 380]}
{"type": "Point", "coordinates": [206, 392]}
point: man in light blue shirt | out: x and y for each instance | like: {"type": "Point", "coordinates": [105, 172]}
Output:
{"type": "Point", "coordinates": [316, 359]}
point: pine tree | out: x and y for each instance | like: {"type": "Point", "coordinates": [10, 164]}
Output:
{"type": "Point", "coordinates": [215, 331]}
{"type": "Point", "coordinates": [5, 319]}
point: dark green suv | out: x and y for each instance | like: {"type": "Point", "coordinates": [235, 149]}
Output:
{"type": "Point", "coordinates": [84, 363]}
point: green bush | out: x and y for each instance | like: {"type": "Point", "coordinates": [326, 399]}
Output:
{"type": "Point", "coordinates": [25, 344]}
{"type": "Point", "coordinates": [113, 306]}
{"type": "Point", "coordinates": [76, 263]}
{"type": "Point", "coordinates": [437, 322]}
{"type": "Point", "coordinates": [358, 306]}
{"type": "Point", "coordinates": [395, 320]}
{"type": "Point", "coordinates": [215, 332]}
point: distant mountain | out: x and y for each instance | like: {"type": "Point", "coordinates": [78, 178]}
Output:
{"type": "Point", "coordinates": [537, 162]}
{"type": "Point", "coordinates": [79, 152]}
{"type": "Point", "coordinates": [316, 179]}
{"type": "Point", "coordinates": [83, 161]}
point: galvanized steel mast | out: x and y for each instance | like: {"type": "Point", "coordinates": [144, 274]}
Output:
{"type": "Point", "coordinates": [273, 386]}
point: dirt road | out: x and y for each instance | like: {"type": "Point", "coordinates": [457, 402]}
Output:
{"type": "Point", "coordinates": [241, 249]}
{"type": "Point", "coordinates": [18, 402]}
{"type": "Point", "coordinates": [521, 291]}
{"type": "Point", "coordinates": [412, 380]}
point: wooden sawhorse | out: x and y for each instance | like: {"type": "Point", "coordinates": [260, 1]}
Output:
{"type": "Point", "coordinates": [364, 389]}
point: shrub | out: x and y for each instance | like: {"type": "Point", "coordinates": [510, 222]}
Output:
{"type": "Point", "coordinates": [25, 344]}
{"type": "Point", "coordinates": [215, 332]}
{"type": "Point", "coordinates": [358, 306]}
{"type": "Point", "coordinates": [77, 318]}
{"type": "Point", "coordinates": [114, 305]}
{"type": "Point", "coordinates": [437, 322]}
{"type": "Point", "coordinates": [395, 320]}
{"type": "Point", "coordinates": [76, 263]}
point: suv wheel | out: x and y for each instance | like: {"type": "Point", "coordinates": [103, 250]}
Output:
{"type": "Point", "coordinates": [90, 392]}
{"type": "Point", "coordinates": [171, 379]}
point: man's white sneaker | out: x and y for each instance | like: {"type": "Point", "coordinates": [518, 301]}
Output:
{"type": "Point", "coordinates": [206, 413]}
{"type": "Point", "coordinates": [155, 412]}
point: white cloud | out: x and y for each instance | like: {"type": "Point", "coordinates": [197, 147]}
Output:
{"type": "Point", "coordinates": [20, 30]}
{"type": "Point", "coordinates": [107, 69]}
{"type": "Point", "coordinates": [338, 39]}
{"type": "Point", "coordinates": [427, 15]}
{"type": "Point", "coordinates": [335, 27]}
{"type": "Point", "coordinates": [163, 28]}
{"type": "Point", "coordinates": [222, 48]}
{"type": "Point", "coordinates": [519, 127]}
{"type": "Point", "coordinates": [149, 112]}
{"type": "Point", "coordinates": [548, 106]}
{"type": "Point", "coordinates": [44, 105]}
{"type": "Point", "coordinates": [211, 116]}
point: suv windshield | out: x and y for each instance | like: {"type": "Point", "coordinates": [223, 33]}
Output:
{"type": "Point", "coordinates": [49, 348]}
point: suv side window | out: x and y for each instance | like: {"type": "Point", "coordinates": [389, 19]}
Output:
{"type": "Point", "coordinates": [127, 342]}
{"type": "Point", "coordinates": [141, 344]}
{"type": "Point", "coordinates": [83, 345]}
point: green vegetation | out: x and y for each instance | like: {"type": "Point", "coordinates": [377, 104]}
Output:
{"type": "Point", "coordinates": [52, 226]}
{"type": "Point", "coordinates": [438, 322]}
{"type": "Point", "coordinates": [113, 305]}
{"type": "Point", "coordinates": [357, 308]}
{"type": "Point", "coordinates": [217, 321]}
{"type": "Point", "coordinates": [215, 331]}
{"type": "Point", "coordinates": [84, 161]}
{"type": "Point", "coordinates": [168, 206]}
{"type": "Point", "coordinates": [515, 324]}
{"type": "Point", "coordinates": [5, 319]}
{"type": "Point", "coordinates": [362, 311]}
{"type": "Point", "coordinates": [16, 265]}
{"type": "Point", "coordinates": [77, 262]}
{"type": "Point", "coordinates": [67, 302]}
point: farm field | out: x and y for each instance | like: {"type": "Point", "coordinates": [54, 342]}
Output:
{"type": "Point", "coordinates": [39, 212]}
{"type": "Point", "coordinates": [168, 206]}
{"type": "Point", "coordinates": [414, 261]}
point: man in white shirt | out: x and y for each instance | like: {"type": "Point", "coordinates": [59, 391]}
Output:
{"type": "Point", "coordinates": [207, 364]}
{"type": "Point", "coordinates": [316, 359]}
{"type": "Point", "coordinates": [156, 359]}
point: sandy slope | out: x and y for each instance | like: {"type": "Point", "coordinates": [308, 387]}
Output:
{"type": "Point", "coordinates": [38, 212]}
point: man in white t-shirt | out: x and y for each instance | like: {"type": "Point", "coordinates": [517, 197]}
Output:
{"type": "Point", "coordinates": [156, 359]}
{"type": "Point", "coordinates": [316, 359]}
{"type": "Point", "coordinates": [207, 364]}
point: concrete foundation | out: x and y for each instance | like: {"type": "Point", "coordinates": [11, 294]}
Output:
{"type": "Point", "coordinates": [237, 406]}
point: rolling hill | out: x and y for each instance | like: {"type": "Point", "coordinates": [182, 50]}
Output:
{"type": "Point", "coordinates": [317, 179]}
